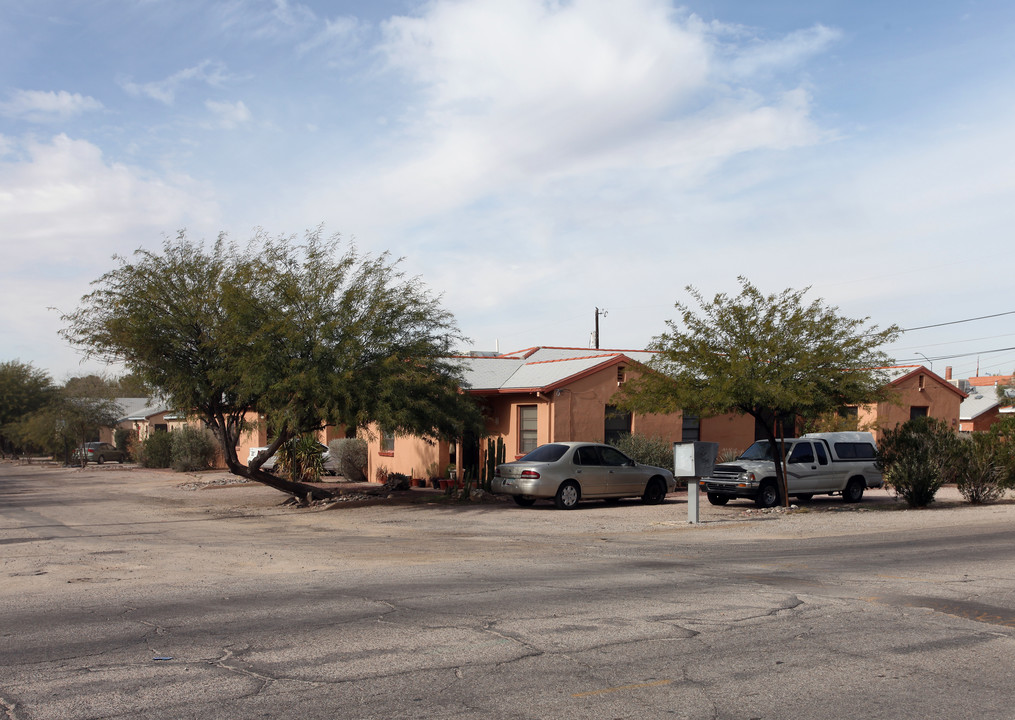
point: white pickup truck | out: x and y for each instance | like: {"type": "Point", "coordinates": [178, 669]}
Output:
{"type": "Point", "coordinates": [817, 464]}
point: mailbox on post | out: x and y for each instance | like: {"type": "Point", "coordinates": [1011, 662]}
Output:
{"type": "Point", "coordinates": [693, 460]}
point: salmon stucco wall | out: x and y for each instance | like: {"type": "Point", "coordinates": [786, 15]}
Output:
{"type": "Point", "coordinates": [918, 390]}
{"type": "Point", "coordinates": [731, 431]}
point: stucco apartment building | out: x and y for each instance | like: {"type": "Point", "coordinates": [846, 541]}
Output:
{"type": "Point", "coordinates": [549, 394]}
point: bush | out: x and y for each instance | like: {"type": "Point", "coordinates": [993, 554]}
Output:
{"type": "Point", "coordinates": [156, 450]}
{"type": "Point", "coordinates": [193, 448]}
{"type": "Point", "coordinates": [351, 456]}
{"type": "Point", "coordinates": [301, 459]}
{"type": "Point", "coordinates": [121, 439]}
{"type": "Point", "coordinates": [918, 457]}
{"type": "Point", "coordinates": [982, 472]}
{"type": "Point", "coordinates": [646, 450]}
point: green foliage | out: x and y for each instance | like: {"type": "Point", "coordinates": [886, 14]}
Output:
{"type": "Point", "coordinates": [351, 456]}
{"type": "Point", "coordinates": [495, 455]}
{"type": "Point", "coordinates": [193, 448]}
{"type": "Point", "coordinates": [24, 389]}
{"type": "Point", "coordinates": [1002, 434]}
{"type": "Point", "coordinates": [773, 357]}
{"type": "Point", "coordinates": [982, 470]}
{"type": "Point", "coordinates": [121, 439]}
{"type": "Point", "coordinates": [306, 333]}
{"type": "Point", "coordinates": [646, 450]}
{"type": "Point", "coordinates": [918, 457]}
{"type": "Point", "coordinates": [301, 459]}
{"type": "Point", "coordinates": [156, 450]}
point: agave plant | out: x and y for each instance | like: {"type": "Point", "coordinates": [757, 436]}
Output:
{"type": "Point", "coordinates": [300, 459]}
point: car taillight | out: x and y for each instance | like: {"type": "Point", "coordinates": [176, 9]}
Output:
{"type": "Point", "coordinates": [529, 475]}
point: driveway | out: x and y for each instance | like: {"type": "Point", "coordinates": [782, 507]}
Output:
{"type": "Point", "coordinates": [140, 594]}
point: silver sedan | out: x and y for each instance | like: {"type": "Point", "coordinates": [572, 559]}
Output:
{"type": "Point", "coordinates": [568, 472]}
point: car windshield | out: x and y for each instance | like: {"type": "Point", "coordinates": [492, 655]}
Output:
{"type": "Point", "coordinates": [546, 453]}
{"type": "Point", "coordinates": [761, 450]}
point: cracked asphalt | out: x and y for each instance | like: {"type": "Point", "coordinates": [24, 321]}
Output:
{"type": "Point", "coordinates": [127, 595]}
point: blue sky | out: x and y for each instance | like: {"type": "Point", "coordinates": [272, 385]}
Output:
{"type": "Point", "coordinates": [532, 160]}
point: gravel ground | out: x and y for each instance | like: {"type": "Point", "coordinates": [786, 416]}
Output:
{"type": "Point", "coordinates": [368, 504]}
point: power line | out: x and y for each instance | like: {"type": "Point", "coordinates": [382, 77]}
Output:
{"type": "Point", "coordinates": [957, 322]}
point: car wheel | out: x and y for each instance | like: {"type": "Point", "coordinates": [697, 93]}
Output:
{"type": "Point", "coordinates": [804, 497]}
{"type": "Point", "coordinates": [522, 501]}
{"type": "Point", "coordinates": [655, 492]}
{"type": "Point", "coordinates": [568, 495]}
{"type": "Point", "coordinates": [717, 499]}
{"type": "Point", "coordinates": [121, 459]}
{"type": "Point", "coordinates": [99, 459]}
{"type": "Point", "coordinates": [768, 495]}
{"type": "Point", "coordinates": [854, 490]}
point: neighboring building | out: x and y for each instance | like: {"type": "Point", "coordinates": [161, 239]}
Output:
{"type": "Point", "coordinates": [531, 397]}
{"type": "Point", "coordinates": [979, 411]}
{"type": "Point", "coordinates": [917, 392]}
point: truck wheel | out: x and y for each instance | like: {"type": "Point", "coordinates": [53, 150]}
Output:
{"type": "Point", "coordinates": [854, 490]}
{"type": "Point", "coordinates": [99, 459]}
{"type": "Point", "coordinates": [655, 492]}
{"type": "Point", "coordinates": [522, 501]}
{"type": "Point", "coordinates": [717, 499]}
{"type": "Point", "coordinates": [768, 495]}
{"type": "Point", "coordinates": [567, 495]}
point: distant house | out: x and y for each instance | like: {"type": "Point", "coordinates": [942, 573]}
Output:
{"type": "Point", "coordinates": [979, 410]}
{"type": "Point", "coordinates": [531, 397]}
{"type": "Point", "coordinates": [917, 392]}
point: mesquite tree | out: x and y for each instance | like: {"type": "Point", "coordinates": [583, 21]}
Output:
{"type": "Point", "coordinates": [305, 333]}
{"type": "Point", "coordinates": [773, 357]}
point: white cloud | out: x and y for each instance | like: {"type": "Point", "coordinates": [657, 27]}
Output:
{"type": "Point", "coordinates": [47, 106]}
{"type": "Point", "coordinates": [516, 95]}
{"type": "Point", "coordinates": [63, 205]}
{"type": "Point", "coordinates": [229, 114]}
{"type": "Point", "coordinates": [208, 72]}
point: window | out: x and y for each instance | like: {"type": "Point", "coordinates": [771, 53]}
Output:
{"type": "Point", "coordinates": [387, 443]}
{"type": "Point", "coordinates": [802, 453]}
{"type": "Point", "coordinates": [528, 426]}
{"type": "Point", "coordinates": [692, 429]}
{"type": "Point", "coordinates": [917, 411]}
{"type": "Point", "coordinates": [613, 457]}
{"type": "Point", "coordinates": [617, 423]}
{"type": "Point", "coordinates": [587, 455]}
{"type": "Point", "coordinates": [819, 449]}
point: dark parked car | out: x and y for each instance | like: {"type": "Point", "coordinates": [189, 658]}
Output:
{"type": "Point", "coordinates": [99, 452]}
{"type": "Point", "coordinates": [567, 472]}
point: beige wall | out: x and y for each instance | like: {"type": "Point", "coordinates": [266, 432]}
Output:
{"type": "Point", "coordinates": [412, 456]}
{"type": "Point", "coordinates": [731, 431]}
{"type": "Point", "coordinates": [941, 400]}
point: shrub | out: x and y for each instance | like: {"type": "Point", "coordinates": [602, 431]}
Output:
{"type": "Point", "coordinates": [121, 439]}
{"type": "Point", "coordinates": [193, 448]}
{"type": "Point", "coordinates": [982, 472]}
{"type": "Point", "coordinates": [646, 450]}
{"type": "Point", "coordinates": [351, 456]}
{"type": "Point", "coordinates": [156, 450]}
{"type": "Point", "coordinates": [301, 459]}
{"type": "Point", "coordinates": [918, 457]}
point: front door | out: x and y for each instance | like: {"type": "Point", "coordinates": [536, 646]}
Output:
{"type": "Point", "coordinates": [622, 477]}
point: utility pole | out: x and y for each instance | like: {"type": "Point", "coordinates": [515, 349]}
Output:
{"type": "Point", "coordinates": [595, 335]}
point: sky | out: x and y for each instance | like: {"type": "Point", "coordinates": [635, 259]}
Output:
{"type": "Point", "coordinates": [533, 161]}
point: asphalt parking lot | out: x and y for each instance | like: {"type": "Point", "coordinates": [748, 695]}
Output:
{"type": "Point", "coordinates": [140, 594]}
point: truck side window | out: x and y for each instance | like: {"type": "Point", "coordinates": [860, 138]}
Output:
{"type": "Point", "coordinates": [802, 453]}
{"type": "Point", "coordinates": [820, 450]}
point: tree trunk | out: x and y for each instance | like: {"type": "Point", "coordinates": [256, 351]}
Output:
{"type": "Point", "coordinates": [227, 432]}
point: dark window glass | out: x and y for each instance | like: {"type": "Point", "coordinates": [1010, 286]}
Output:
{"type": "Point", "coordinates": [612, 456]}
{"type": "Point", "coordinates": [819, 449]}
{"type": "Point", "coordinates": [546, 453]}
{"type": "Point", "coordinates": [616, 424]}
{"type": "Point", "coordinates": [918, 410]}
{"type": "Point", "coordinates": [587, 455]}
{"type": "Point", "coordinates": [802, 453]}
